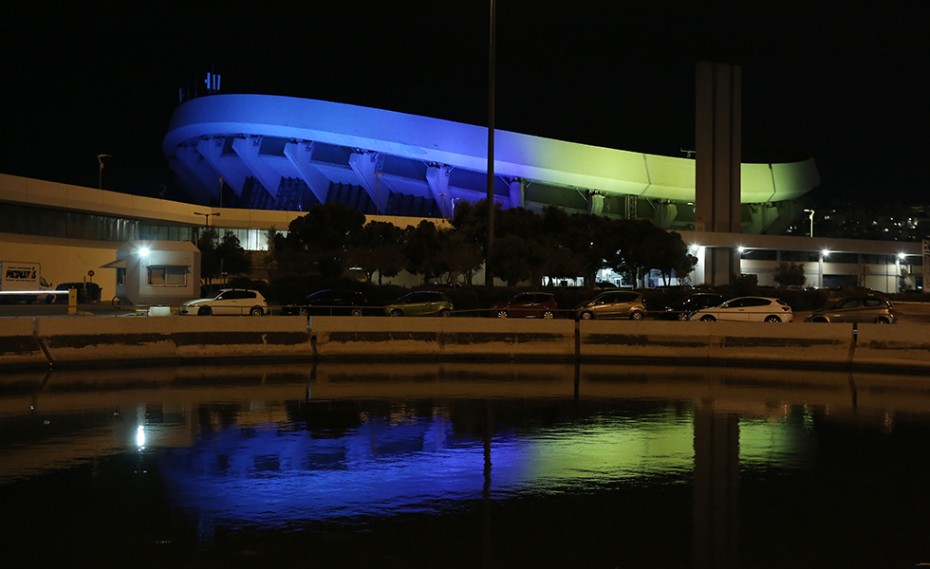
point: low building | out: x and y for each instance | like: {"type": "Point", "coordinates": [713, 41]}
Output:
{"type": "Point", "coordinates": [157, 272]}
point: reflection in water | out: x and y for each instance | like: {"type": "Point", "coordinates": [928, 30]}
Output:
{"type": "Point", "coordinates": [612, 465]}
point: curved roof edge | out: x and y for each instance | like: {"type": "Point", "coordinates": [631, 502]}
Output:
{"type": "Point", "coordinates": [425, 140]}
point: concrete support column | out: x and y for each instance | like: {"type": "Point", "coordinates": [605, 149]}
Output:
{"type": "Point", "coordinates": [717, 159]}
{"type": "Point", "coordinates": [517, 192]}
{"type": "Point", "coordinates": [365, 165]}
{"type": "Point", "coordinates": [665, 215]}
{"type": "Point", "coordinates": [211, 151]}
{"type": "Point", "coordinates": [437, 176]}
{"type": "Point", "coordinates": [249, 150]}
{"type": "Point", "coordinates": [720, 263]}
{"type": "Point", "coordinates": [300, 154]}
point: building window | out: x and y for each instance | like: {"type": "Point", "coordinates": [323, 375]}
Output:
{"type": "Point", "coordinates": [121, 276]}
{"type": "Point", "coordinates": [169, 275]}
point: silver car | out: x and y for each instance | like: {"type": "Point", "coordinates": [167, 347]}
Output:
{"type": "Point", "coordinates": [420, 303]}
{"type": "Point", "coordinates": [612, 304]}
{"type": "Point", "coordinates": [861, 308]}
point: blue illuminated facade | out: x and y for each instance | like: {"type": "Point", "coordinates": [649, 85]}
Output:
{"type": "Point", "coordinates": [278, 153]}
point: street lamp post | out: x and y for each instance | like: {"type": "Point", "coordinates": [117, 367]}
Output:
{"type": "Point", "coordinates": [100, 159]}
{"type": "Point", "coordinates": [492, 46]}
{"type": "Point", "coordinates": [810, 215]}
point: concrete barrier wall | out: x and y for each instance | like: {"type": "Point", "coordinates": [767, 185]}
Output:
{"type": "Point", "coordinates": [899, 345]}
{"type": "Point", "coordinates": [716, 341]}
{"type": "Point", "coordinates": [378, 337]}
{"type": "Point", "coordinates": [646, 339]}
{"type": "Point", "coordinates": [19, 346]}
{"type": "Point", "coordinates": [62, 341]}
{"type": "Point", "coordinates": [84, 340]}
{"type": "Point", "coordinates": [791, 344]}
{"type": "Point", "coordinates": [237, 337]}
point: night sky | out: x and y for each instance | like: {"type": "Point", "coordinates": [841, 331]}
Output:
{"type": "Point", "coordinates": [846, 85]}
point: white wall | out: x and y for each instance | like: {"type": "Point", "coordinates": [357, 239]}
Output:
{"type": "Point", "coordinates": [64, 260]}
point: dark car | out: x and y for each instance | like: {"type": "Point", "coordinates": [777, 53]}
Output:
{"type": "Point", "coordinates": [420, 303]}
{"type": "Point", "coordinates": [612, 304]}
{"type": "Point", "coordinates": [527, 305]}
{"type": "Point", "coordinates": [329, 302]}
{"type": "Point", "coordinates": [681, 310]}
{"type": "Point", "coordinates": [858, 308]}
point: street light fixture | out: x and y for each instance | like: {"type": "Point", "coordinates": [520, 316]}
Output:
{"type": "Point", "coordinates": [207, 216]}
{"type": "Point", "coordinates": [100, 159]}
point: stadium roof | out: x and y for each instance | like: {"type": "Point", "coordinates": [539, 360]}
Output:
{"type": "Point", "coordinates": [275, 152]}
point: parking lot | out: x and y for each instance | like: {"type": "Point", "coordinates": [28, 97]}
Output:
{"type": "Point", "coordinates": [907, 311]}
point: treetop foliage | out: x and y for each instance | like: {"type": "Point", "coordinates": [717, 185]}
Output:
{"type": "Point", "coordinates": [527, 246]}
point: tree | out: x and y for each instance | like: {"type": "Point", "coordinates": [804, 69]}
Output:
{"type": "Point", "coordinates": [578, 243]}
{"type": "Point", "coordinates": [234, 260]}
{"type": "Point", "coordinates": [632, 256]}
{"type": "Point", "coordinates": [790, 274]}
{"type": "Point", "coordinates": [559, 259]}
{"type": "Point", "coordinates": [219, 257]}
{"type": "Point", "coordinates": [459, 256]}
{"type": "Point", "coordinates": [422, 250]}
{"type": "Point", "coordinates": [512, 258]}
{"type": "Point", "coordinates": [319, 241]}
{"type": "Point", "coordinates": [209, 260]}
{"type": "Point", "coordinates": [671, 256]}
{"type": "Point", "coordinates": [379, 247]}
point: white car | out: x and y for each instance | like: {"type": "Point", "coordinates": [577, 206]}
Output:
{"type": "Point", "coordinates": [234, 301]}
{"type": "Point", "coordinates": [747, 309]}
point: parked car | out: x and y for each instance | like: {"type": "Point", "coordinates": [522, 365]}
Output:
{"type": "Point", "coordinates": [329, 302]}
{"type": "Point", "coordinates": [527, 305]}
{"type": "Point", "coordinates": [235, 301]}
{"type": "Point", "coordinates": [857, 308]}
{"type": "Point", "coordinates": [420, 303]}
{"type": "Point", "coordinates": [681, 310]}
{"type": "Point", "coordinates": [747, 309]}
{"type": "Point", "coordinates": [612, 304]}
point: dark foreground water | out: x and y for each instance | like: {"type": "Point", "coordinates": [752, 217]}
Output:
{"type": "Point", "coordinates": [464, 465]}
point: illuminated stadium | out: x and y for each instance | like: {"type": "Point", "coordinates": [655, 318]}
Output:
{"type": "Point", "coordinates": [280, 153]}
{"type": "Point", "coordinates": [254, 163]}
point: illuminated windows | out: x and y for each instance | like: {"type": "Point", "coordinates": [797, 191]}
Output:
{"type": "Point", "coordinates": [168, 275]}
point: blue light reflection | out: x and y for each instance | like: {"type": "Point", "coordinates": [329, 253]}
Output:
{"type": "Point", "coordinates": [274, 476]}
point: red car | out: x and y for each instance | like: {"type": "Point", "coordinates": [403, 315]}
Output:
{"type": "Point", "coordinates": [527, 305]}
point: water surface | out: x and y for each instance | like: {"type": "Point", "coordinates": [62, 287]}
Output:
{"type": "Point", "coordinates": [464, 465]}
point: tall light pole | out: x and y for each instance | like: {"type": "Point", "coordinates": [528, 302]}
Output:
{"type": "Point", "coordinates": [488, 276]}
{"type": "Point", "coordinates": [810, 215]}
{"type": "Point", "coordinates": [100, 159]}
